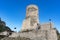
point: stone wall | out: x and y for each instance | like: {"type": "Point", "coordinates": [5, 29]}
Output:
{"type": "Point", "coordinates": [31, 18]}
{"type": "Point", "coordinates": [38, 35]}
{"type": "Point", "coordinates": [30, 27]}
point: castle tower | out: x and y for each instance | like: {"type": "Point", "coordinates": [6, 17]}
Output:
{"type": "Point", "coordinates": [31, 20]}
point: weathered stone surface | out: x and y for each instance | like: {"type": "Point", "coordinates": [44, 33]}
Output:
{"type": "Point", "coordinates": [40, 34]}
{"type": "Point", "coordinates": [31, 20]}
{"type": "Point", "coordinates": [47, 26]}
{"type": "Point", "coordinates": [15, 38]}
{"type": "Point", "coordinates": [32, 29]}
{"type": "Point", "coordinates": [45, 32]}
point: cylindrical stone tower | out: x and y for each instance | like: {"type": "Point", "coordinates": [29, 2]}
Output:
{"type": "Point", "coordinates": [31, 19]}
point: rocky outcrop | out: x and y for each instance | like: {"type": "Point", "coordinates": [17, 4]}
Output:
{"type": "Point", "coordinates": [16, 38]}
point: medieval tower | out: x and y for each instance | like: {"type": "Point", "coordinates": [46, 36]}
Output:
{"type": "Point", "coordinates": [44, 31]}
{"type": "Point", "coordinates": [31, 22]}
{"type": "Point", "coordinates": [31, 19]}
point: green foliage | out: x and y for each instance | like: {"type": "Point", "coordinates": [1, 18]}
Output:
{"type": "Point", "coordinates": [4, 28]}
{"type": "Point", "coordinates": [1, 28]}
{"type": "Point", "coordinates": [58, 34]}
{"type": "Point", "coordinates": [58, 37]}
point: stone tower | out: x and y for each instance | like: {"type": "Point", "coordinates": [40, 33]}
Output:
{"type": "Point", "coordinates": [31, 20]}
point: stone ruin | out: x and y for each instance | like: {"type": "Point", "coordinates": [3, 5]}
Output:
{"type": "Point", "coordinates": [31, 19]}
{"type": "Point", "coordinates": [31, 27]}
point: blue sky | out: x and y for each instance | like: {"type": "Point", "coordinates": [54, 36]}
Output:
{"type": "Point", "coordinates": [13, 12]}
